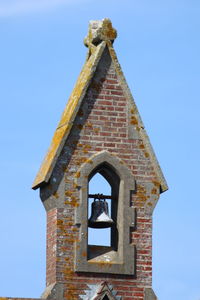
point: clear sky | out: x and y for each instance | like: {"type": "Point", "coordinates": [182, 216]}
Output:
{"type": "Point", "coordinates": [41, 55]}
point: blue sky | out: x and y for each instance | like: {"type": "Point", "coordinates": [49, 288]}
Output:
{"type": "Point", "coordinates": [42, 53]}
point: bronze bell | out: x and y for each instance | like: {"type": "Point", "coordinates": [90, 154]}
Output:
{"type": "Point", "coordinates": [99, 215]}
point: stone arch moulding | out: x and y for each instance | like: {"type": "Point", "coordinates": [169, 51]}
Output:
{"type": "Point", "coordinates": [122, 260]}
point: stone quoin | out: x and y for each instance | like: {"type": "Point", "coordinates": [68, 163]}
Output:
{"type": "Point", "coordinates": [100, 131]}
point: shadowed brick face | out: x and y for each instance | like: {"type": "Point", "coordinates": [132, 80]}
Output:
{"type": "Point", "coordinates": [101, 124]}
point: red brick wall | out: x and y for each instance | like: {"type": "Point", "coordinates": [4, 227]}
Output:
{"type": "Point", "coordinates": [101, 124]}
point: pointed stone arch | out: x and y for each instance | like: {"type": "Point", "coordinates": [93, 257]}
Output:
{"type": "Point", "coordinates": [118, 260]}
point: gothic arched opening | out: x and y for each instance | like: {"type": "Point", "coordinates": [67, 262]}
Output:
{"type": "Point", "coordinates": [114, 258]}
{"type": "Point", "coordinates": [104, 181]}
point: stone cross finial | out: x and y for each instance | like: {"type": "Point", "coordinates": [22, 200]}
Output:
{"type": "Point", "coordinates": [100, 31]}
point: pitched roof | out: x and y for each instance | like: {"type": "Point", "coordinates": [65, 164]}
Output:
{"type": "Point", "coordinates": [101, 34]}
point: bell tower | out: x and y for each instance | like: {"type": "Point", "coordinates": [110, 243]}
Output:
{"type": "Point", "coordinates": [100, 132]}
